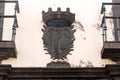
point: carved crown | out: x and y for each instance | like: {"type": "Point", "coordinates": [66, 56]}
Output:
{"type": "Point", "coordinates": [62, 16]}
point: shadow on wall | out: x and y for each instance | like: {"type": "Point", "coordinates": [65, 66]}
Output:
{"type": "Point", "coordinates": [78, 25]}
{"type": "Point", "coordinates": [83, 63]}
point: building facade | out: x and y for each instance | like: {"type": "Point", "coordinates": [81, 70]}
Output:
{"type": "Point", "coordinates": [81, 39]}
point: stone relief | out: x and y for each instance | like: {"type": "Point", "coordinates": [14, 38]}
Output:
{"type": "Point", "coordinates": [58, 36]}
{"type": "Point", "coordinates": [58, 41]}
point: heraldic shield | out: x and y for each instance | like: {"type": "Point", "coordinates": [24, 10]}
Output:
{"type": "Point", "coordinates": [58, 33]}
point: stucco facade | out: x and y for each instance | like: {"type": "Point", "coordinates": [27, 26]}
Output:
{"type": "Point", "coordinates": [88, 36]}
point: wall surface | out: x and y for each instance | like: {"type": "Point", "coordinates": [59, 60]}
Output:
{"type": "Point", "coordinates": [30, 52]}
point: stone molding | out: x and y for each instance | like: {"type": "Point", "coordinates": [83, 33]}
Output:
{"type": "Point", "coordinates": [111, 50]}
{"type": "Point", "coordinates": [38, 73]}
{"type": "Point", "coordinates": [7, 50]}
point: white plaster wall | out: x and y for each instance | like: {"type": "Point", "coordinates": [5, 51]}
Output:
{"type": "Point", "coordinates": [30, 53]}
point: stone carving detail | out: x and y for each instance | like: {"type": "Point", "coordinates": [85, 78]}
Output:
{"type": "Point", "coordinates": [58, 41]}
{"type": "Point", "coordinates": [58, 34]}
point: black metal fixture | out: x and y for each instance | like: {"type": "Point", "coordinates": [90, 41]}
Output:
{"type": "Point", "coordinates": [14, 16]}
{"type": "Point", "coordinates": [8, 48]}
{"type": "Point", "coordinates": [111, 49]}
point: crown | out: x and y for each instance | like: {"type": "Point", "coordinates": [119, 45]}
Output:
{"type": "Point", "coordinates": [58, 18]}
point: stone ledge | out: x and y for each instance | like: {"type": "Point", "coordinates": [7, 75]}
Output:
{"type": "Point", "coordinates": [38, 73]}
{"type": "Point", "coordinates": [4, 71]}
{"type": "Point", "coordinates": [113, 69]}
{"type": "Point", "coordinates": [7, 49]}
{"type": "Point", "coordinates": [111, 50]}
{"type": "Point", "coordinates": [57, 73]}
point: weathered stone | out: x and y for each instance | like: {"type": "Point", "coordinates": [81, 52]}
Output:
{"type": "Point", "coordinates": [37, 73]}
{"type": "Point", "coordinates": [58, 65]}
{"type": "Point", "coordinates": [7, 49]}
{"type": "Point", "coordinates": [111, 50]}
{"type": "Point", "coordinates": [58, 34]}
{"type": "Point", "coordinates": [51, 17]}
{"type": "Point", "coordinates": [58, 41]}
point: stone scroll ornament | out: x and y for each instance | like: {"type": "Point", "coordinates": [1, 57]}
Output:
{"type": "Point", "coordinates": [58, 33]}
